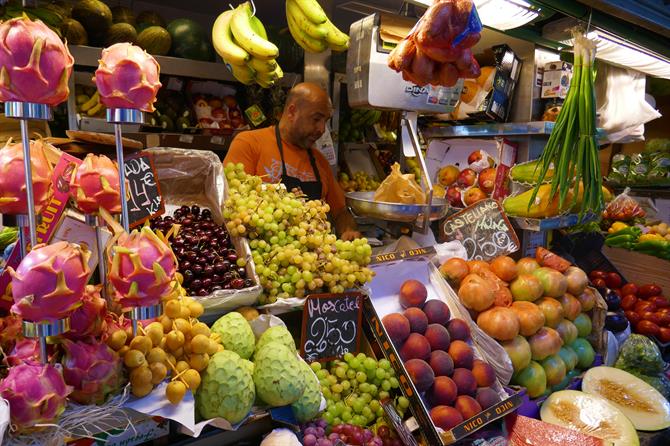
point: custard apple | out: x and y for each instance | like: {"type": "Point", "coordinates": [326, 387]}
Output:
{"type": "Point", "coordinates": [277, 375]}
{"type": "Point", "coordinates": [227, 389]}
{"type": "Point", "coordinates": [307, 406]}
{"type": "Point", "coordinates": [278, 333]}
{"type": "Point", "coordinates": [236, 334]}
{"type": "Point", "coordinates": [248, 365]}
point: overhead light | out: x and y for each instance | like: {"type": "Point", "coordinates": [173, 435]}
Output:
{"type": "Point", "coordinates": [364, 8]}
{"type": "Point", "coordinates": [498, 14]}
{"type": "Point", "coordinates": [613, 49]}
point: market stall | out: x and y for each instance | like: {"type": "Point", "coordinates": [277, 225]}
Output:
{"type": "Point", "coordinates": [508, 180]}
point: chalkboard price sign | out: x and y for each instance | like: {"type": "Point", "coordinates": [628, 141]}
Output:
{"type": "Point", "coordinates": [483, 229]}
{"type": "Point", "coordinates": [331, 325]}
{"type": "Point", "coordinates": [144, 197]}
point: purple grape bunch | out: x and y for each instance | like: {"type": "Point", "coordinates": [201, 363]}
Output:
{"type": "Point", "coordinates": [314, 434]}
{"type": "Point", "coordinates": [207, 259]}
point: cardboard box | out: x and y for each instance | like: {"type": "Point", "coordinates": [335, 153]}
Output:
{"type": "Point", "coordinates": [383, 301]}
{"type": "Point", "coordinates": [371, 83]}
{"type": "Point", "coordinates": [556, 79]}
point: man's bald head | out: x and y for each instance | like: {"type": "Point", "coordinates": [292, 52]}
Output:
{"type": "Point", "coordinates": [306, 112]}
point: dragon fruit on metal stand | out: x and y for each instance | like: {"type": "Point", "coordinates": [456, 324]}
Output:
{"type": "Point", "coordinates": [35, 64]}
{"type": "Point", "coordinates": [36, 394]}
{"type": "Point", "coordinates": [13, 198]}
{"type": "Point", "coordinates": [96, 185]}
{"type": "Point", "coordinates": [142, 267]}
{"type": "Point", "coordinates": [28, 350]}
{"type": "Point", "coordinates": [92, 369]}
{"type": "Point", "coordinates": [49, 282]}
{"type": "Point", "coordinates": [89, 319]}
{"type": "Point", "coordinates": [127, 77]}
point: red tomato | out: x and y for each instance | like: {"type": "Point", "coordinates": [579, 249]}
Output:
{"type": "Point", "coordinates": [617, 291]}
{"type": "Point", "coordinates": [664, 335]}
{"type": "Point", "coordinates": [664, 310]}
{"type": "Point", "coordinates": [642, 306]}
{"type": "Point", "coordinates": [599, 283]}
{"type": "Point", "coordinates": [659, 301]}
{"type": "Point", "coordinates": [664, 318]}
{"type": "Point", "coordinates": [652, 317]}
{"type": "Point", "coordinates": [597, 274]}
{"type": "Point", "coordinates": [613, 280]}
{"type": "Point", "coordinates": [628, 302]}
{"type": "Point", "coordinates": [649, 290]}
{"type": "Point", "coordinates": [632, 317]}
{"type": "Point", "coordinates": [629, 288]}
{"type": "Point", "coordinates": [647, 328]}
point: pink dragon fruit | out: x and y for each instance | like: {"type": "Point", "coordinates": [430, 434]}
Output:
{"type": "Point", "coordinates": [89, 319]}
{"type": "Point", "coordinates": [92, 369]}
{"type": "Point", "coordinates": [35, 64]}
{"type": "Point", "coordinates": [127, 77]}
{"type": "Point", "coordinates": [36, 394]}
{"type": "Point", "coordinates": [28, 350]}
{"type": "Point", "coordinates": [13, 198]}
{"type": "Point", "coordinates": [96, 185]}
{"type": "Point", "coordinates": [142, 267]}
{"type": "Point", "coordinates": [49, 282]}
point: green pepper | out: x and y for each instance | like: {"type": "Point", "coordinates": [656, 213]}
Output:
{"type": "Point", "coordinates": [653, 246]}
{"type": "Point", "coordinates": [621, 241]}
{"type": "Point", "coordinates": [631, 230]}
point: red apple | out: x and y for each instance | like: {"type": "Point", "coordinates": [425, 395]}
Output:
{"type": "Point", "coordinates": [473, 195]}
{"type": "Point", "coordinates": [454, 196]}
{"type": "Point", "coordinates": [467, 177]}
{"type": "Point", "coordinates": [487, 179]}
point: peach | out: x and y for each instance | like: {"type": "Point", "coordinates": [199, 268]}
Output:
{"type": "Point", "coordinates": [397, 326]}
{"type": "Point", "coordinates": [438, 337]}
{"type": "Point", "coordinates": [568, 331]}
{"type": "Point", "coordinates": [465, 381]}
{"type": "Point", "coordinates": [445, 417]}
{"type": "Point", "coordinates": [483, 373]}
{"type": "Point", "coordinates": [487, 397]}
{"type": "Point", "coordinates": [467, 406]}
{"type": "Point", "coordinates": [458, 330]}
{"type": "Point", "coordinates": [441, 363]}
{"type": "Point", "coordinates": [443, 391]}
{"type": "Point", "coordinates": [552, 309]}
{"type": "Point", "coordinates": [571, 306]}
{"type": "Point", "coordinates": [415, 347]}
{"type": "Point", "coordinates": [412, 294]}
{"type": "Point", "coordinates": [437, 312]}
{"type": "Point", "coordinates": [420, 373]}
{"type": "Point", "coordinates": [462, 354]}
{"type": "Point", "coordinates": [417, 320]}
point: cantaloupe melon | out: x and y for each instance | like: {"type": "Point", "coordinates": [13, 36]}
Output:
{"type": "Point", "coordinates": [644, 406]}
{"type": "Point", "coordinates": [590, 414]}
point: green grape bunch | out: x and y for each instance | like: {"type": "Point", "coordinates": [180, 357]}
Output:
{"type": "Point", "coordinates": [291, 240]}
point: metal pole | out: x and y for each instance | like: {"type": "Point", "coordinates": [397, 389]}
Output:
{"type": "Point", "coordinates": [122, 176]}
{"type": "Point", "coordinates": [22, 223]}
{"type": "Point", "coordinates": [28, 170]}
{"type": "Point", "coordinates": [102, 262]}
{"type": "Point", "coordinates": [44, 358]}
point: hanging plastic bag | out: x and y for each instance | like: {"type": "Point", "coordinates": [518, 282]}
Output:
{"type": "Point", "coordinates": [623, 208]}
{"type": "Point", "coordinates": [400, 188]}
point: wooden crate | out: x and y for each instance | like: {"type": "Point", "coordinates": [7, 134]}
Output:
{"type": "Point", "coordinates": [640, 268]}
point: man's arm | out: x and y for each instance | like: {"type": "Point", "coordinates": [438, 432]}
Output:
{"type": "Point", "coordinates": [345, 225]}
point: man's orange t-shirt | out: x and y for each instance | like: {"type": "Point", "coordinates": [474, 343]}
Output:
{"type": "Point", "coordinates": [257, 150]}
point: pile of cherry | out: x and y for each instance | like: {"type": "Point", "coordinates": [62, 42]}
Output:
{"type": "Point", "coordinates": [206, 255]}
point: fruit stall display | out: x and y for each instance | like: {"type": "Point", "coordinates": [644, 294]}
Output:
{"type": "Point", "coordinates": [464, 186]}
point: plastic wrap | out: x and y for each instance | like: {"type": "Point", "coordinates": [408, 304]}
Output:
{"type": "Point", "coordinates": [399, 188]}
{"type": "Point", "coordinates": [641, 353]}
{"type": "Point", "coordinates": [623, 208]}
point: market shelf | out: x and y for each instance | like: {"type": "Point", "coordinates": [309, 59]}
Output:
{"type": "Point", "coordinates": [643, 191]}
{"type": "Point", "coordinates": [540, 128]}
{"type": "Point", "coordinates": [88, 56]}
{"type": "Point", "coordinates": [547, 224]}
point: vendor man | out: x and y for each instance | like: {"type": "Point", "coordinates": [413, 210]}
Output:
{"type": "Point", "coordinates": [285, 153]}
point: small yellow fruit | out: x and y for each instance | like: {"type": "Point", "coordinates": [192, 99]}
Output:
{"type": "Point", "coordinates": [181, 366]}
{"type": "Point", "coordinates": [187, 348]}
{"type": "Point", "coordinates": [174, 339]}
{"type": "Point", "coordinates": [134, 358]}
{"type": "Point", "coordinates": [117, 340]}
{"type": "Point", "coordinates": [249, 313]}
{"type": "Point", "coordinates": [122, 351]}
{"type": "Point", "coordinates": [166, 322]}
{"type": "Point", "coordinates": [179, 352]}
{"type": "Point", "coordinates": [172, 309]}
{"type": "Point", "coordinates": [158, 372]}
{"type": "Point", "coordinates": [183, 325]}
{"type": "Point", "coordinates": [171, 359]}
{"type": "Point", "coordinates": [199, 362]}
{"type": "Point", "coordinates": [141, 343]}
{"type": "Point", "coordinates": [175, 391]}
{"type": "Point", "coordinates": [196, 309]}
{"type": "Point", "coordinates": [200, 328]}
{"type": "Point", "coordinates": [156, 354]}
{"type": "Point", "coordinates": [200, 344]}
{"type": "Point", "coordinates": [212, 347]}
{"type": "Point", "coordinates": [219, 348]}
{"type": "Point", "coordinates": [192, 378]}
{"type": "Point", "coordinates": [140, 376]}
{"type": "Point", "coordinates": [185, 312]}
{"type": "Point", "coordinates": [155, 332]}
{"type": "Point", "coordinates": [142, 390]}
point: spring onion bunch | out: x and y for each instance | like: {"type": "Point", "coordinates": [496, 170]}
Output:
{"type": "Point", "coordinates": [572, 148]}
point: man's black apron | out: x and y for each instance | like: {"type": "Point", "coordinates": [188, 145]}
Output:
{"type": "Point", "coordinates": [312, 189]}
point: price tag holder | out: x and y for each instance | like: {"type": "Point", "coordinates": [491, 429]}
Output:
{"type": "Point", "coordinates": [331, 326]}
{"type": "Point", "coordinates": [483, 229]}
{"type": "Point", "coordinates": [144, 197]}
{"type": "Point", "coordinates": [405, 254]}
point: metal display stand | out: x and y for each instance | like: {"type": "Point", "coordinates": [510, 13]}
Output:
{"type": "Point", "coordinates": [97, 222]}
{"type": "Point", "coordinates": [42, 330]}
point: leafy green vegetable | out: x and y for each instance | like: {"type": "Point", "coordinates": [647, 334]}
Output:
{"type": "Point", "coordinates": [640, 353]}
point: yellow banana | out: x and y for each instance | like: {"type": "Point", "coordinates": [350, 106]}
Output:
{"type": "Point", "coordinates": [306, 42]}
{"type": "Point", "coordinates": [242, 73]}
{"type": "Point", "coordinates": [262, 66]}
{"type": "Point", "coordinates": [317, 31]}
{"type": "Point", "coordinates": [223, 42]}
{"type": "Point", "coordinates": [91, 102]}
{"type": "Point", "coordinates": [95, 110]}
{"type": "Point", "coordinates": [264, 83]}
{"type": "Point", "coordinates": [258, 27]}
{"type": "Point", "coordinates": [247, 38]}
{"type": "Point", "coordinates": [271, 76]}
{"type": "Point", "coordinates": [312, 10]}
{"type": "Point", "coordinates": [338, 40]}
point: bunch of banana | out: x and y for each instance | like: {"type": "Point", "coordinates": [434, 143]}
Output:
{"type": "Point", "coordinates": [242, 42]}
{"type": "Point", "coordinates": [90, 106]}
{"type": "Point", "coordinates": [311, 28]}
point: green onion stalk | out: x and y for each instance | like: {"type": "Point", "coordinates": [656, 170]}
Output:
{"type": "Point", "coordinates": [572, 149]}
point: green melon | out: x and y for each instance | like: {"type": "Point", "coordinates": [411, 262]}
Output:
{"type": "Point", "coordinates": [155, 40]}
{"type": "Point", "coordinates": [95, 16]}
{"type": "Point", "coordinates": [121, 14]}
{"type": "Point", "coordinates": [189, 40]}
{"type": "Point", "coordinates": [74, 32]}
{"type": "Point", "coordinates": [149, 18]}
{"type": "Point", "coordinates": [121, 32]}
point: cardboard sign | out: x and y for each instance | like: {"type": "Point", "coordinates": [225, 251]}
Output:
{"type": "Point", "coordinates": [144, 197]}
{"type": "Point", "coordinates": [331, 326]}
{"type": "Point", "coordinates": [483, 229]}
{"type": "Point", "coordinates": [403, 255]}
